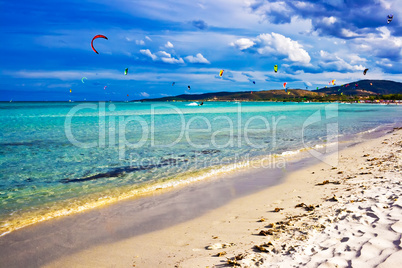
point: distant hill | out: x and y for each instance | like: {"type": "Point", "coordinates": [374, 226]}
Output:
{"type": "Point", "coordinates": [362, 88]}
{"type": "Point", "coordinates": [245, 95]}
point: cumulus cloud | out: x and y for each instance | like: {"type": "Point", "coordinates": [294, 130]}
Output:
{"type": "Point", "coordinates": [172, 60]}
{"type": "Point", "coordinates": [199, 58]}
{"type": "Point", "coordinates": [347, 33]}
{"type": "Point", "coordinates": [242, 43]}
{"type": "Point", "coordinates": [330, 17]}
{"type": "Point", "coordinates": [169, 45]}
{"type": "Point", "coordinates": [329, 20]}
{"type": "Point", "coordinates": [167, 58]}
{"type": "Point", "coordinates": [140, 42]}
{"type": "Point", "coordinates": [274, 11]}
{"type": "Point", "coordinates": [162, 56]}
{"type": "Point", "coordinates": [283, 45]}
{"type": "Point", "coordinates": [275, 44]}
{"type": "Point", "coordinates": [332, 62]}
{"type": "Point", "coordinates": [144, 94]}
{"type": "Point", "coordinates": [381, 44]}
{"type": "Point", "coordinates": [148, 53]}
{"type": "Point", "coordinates": [384, 62]}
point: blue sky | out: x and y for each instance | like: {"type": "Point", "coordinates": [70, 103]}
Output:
{"type": "Point", "coordinates": [46, 46]}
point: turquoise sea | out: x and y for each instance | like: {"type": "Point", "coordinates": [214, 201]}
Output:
{"type": "Point", "coordinates": [57, 158]}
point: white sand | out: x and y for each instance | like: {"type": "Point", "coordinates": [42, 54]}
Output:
{"type": "Point", "coordinates": [363, 228]}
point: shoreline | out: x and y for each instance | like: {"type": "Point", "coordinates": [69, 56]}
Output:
{"type": "Point", "coordinates": [162, 186]}
{"type": "Point", "coordinates": [69, 238]}
{"type": "Point", "coordinates": [232, 231]}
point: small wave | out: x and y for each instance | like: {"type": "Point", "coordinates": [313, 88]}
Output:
{"type": "Point", "coordinates": [192, 104]}
{"type": "Point", "coordinates": [369, 130]}
{"type": "Point", "coordinates": [286, 153]}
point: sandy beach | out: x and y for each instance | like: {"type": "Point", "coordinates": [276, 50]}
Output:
{"type": "Point", "coordinates": [321, 216]}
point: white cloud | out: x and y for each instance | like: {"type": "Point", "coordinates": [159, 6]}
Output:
{"type": "Point", "coordinates": [279, 44]}
{"type": "Point", "coordinates": [331, 61]}
{"type": "Point", "coordinates": [199, 58]}
{"type": "Point", "coordinates": [303, 5]}
{"type": "Point", "coordinates": [354, 59]}
{"type": "Point", "coordinates": [164, 54]}
{"type": "Point", "coordinates": [172, 60]}
{"type": "Point", "coordinates": [140, 42]}
{"type": "Point", "coordinates": [329, 20]}
{"type": "Point", "coordinates": [148, 53]}
{"type": "Point", "coordinates": [167, 58]}
{"type": "Point", "coordinates": [275, 44]}
{"type": "Point", "coordinates": [384, 62]}
{"type": "Point", "coordinates": [169, 45]}
{"type": "Point", "coordinates": [144, 94]}
{"type": "Point", "coordinates": [242, 43]}
{"type": "Point", "coordinates": [267, 7]}
{"type": "Point", "coordinates": [381, 44]}
{"type": "Point", "coordinates": [348, 33]}
{"type": "Point", "coordinates": [148, 38]}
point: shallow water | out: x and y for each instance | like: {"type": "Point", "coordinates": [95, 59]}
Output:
{"type": "Point", "coordinates": [58, 158]}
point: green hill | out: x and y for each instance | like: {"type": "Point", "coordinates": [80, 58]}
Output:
{"type": "Point", "coordinates": [358, 89]}
{"type": "Point", "coordinates": [245, 95]}
{"type": "Point", "coordinates": [364, 88]}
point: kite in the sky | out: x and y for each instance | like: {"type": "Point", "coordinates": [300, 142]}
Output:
{"type": "Point", "coordinates": [221, 73]}
{"type": "Point", "coordinates": [105, 87]}
{"type": "Point", "coordinates": [70, 90]}
{"type": "Point", "coordinates": [254, 82]}
{"type": "Point", "coordinates": [126, 71]}
{"type": "Point", "coordinates": [188, 87]}
{"type": "Point", "coordinates": [95, 37]}
{"type": "Point", "coordinates": [365, 71]}
{"type": "Point", "coordinates": [284, 85]}
{"type": "Point", "coordinates": [276, 68]}
{"type": "Point", "coordinates": [173, 83]}
{"type": "Point", "coordinates": [82, 79]}
{"type": "Point", "coordinates": [389, 18]}
{"type": "Point", "coordinates": [333, 82]}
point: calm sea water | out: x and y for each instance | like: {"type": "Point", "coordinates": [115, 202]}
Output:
{"type": "Point", "coordinates": [57, 158]}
